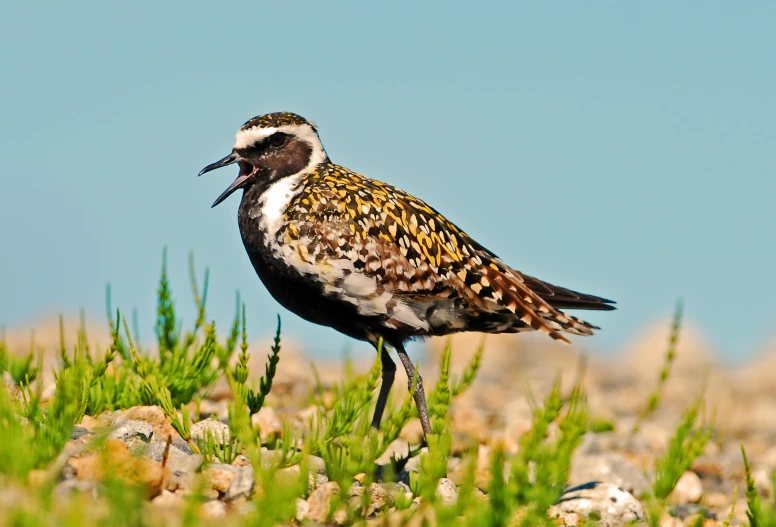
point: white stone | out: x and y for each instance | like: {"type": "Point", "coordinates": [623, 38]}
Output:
{"type": "Point", "coordinates": [689, 489]}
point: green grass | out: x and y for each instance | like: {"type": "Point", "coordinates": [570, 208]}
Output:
{"type": "Point", "coordinates": [687, 443]}
{"type": "Point", "coordinates": [759, 514]}
{"type": "Point", "coordinates": [673, 340]}
{"type": "Point", "coordinates": [184, 366]}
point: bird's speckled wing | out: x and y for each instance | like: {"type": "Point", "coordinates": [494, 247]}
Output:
{"type": "Point", "coordinates": [384, 249]}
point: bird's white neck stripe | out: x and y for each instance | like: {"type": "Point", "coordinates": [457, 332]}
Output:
{"type": "Point", "coordinates": [274, 202]}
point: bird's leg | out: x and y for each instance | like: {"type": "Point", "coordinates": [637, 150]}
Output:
{"type": "Point", "coordinates": [419, 394]}
{"type": "Point", "coordinates": [389, 372]}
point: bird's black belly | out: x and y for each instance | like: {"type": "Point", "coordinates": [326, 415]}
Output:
{"type": "Point", "coordinates": [305, 297]}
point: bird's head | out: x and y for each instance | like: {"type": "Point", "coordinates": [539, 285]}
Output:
{"type": "Point", "coordinates": [271, 147]}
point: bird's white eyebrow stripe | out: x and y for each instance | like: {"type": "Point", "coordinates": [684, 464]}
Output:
{"type": "Point", "coordinates": [246, 138]}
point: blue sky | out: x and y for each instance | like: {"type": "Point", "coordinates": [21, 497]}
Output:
{"type": "Point", "coordinates": [619, 148]}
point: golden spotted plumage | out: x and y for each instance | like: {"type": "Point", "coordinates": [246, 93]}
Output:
{"type": "Point", "coordinates": [410, 249]}
{"type": "Point", "coordinates": [275, 120]}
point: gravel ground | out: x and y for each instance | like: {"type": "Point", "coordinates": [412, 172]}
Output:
{"type": "Point", "coordinates": [740, 401]}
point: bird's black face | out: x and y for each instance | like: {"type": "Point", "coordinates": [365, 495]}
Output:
{"type": "Point", "coordinates": [279, 155]}
{"type": "Point", "coordinates": [269, 154]}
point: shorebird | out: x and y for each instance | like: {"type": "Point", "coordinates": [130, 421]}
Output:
{"type": "Point", "coordinates": [372, 261]}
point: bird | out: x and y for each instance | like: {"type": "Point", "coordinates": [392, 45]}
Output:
{"type": "Point", "coordinates": [374, 262]}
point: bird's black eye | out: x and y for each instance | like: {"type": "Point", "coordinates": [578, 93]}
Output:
{"type": "Point", "coordinates": [278, 139]}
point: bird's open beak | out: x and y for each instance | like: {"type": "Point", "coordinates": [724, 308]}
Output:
{"type": "Point", "coordinates": [236, 184]}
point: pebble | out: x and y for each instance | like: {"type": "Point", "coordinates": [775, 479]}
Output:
{"type": "Point", "coordinates": [319, 501]}
{"type": "Point", "coordinates": [212, 509]}
{"type": "Point", "coordinates": [612, 504]}
{"type": "Point", "coordinates": [268, 423]}
{"type": "Point", "coordinates": [291, 474]}
{"type": "Point", "coordinates": [379, 498]}
{"type": "Point", "coordinates": [719, 500]}
{"type": "Point", "coordinates": [609, 467]}
{"type": "Point", "coordinates": [689, 489]}
{"type": "Point", "coordinates": [241, 485]}
{"type": "Point", "coordinates": [302, 509]}
{"type": "Point", "coordinates": [220, 476]}
{"type": "Point", "coordinates": [153, 415]}
{"type": "Point", "coordinates": [216, 409]}
{"type": "Point", "coordinates": [210, 427]}
{"type": "Point", "coordinates": [68, 486]}
{"type": "Point", "coordinates": [168, 499]}
{"type": "Point", "coordinates": [692, 509]}
{"type": "Point", "coordinates": [182, 466]}
{"type": "Point", "coordinates": [446, 492]}
{"type": "Point", "coordinates": [762, 480]}
{"type": "Point", "coordinates": [117, 461]}
{"type": "Point", "coordinates": [132, 432]}
{"type": "Point", "coordinates": [79, 432]}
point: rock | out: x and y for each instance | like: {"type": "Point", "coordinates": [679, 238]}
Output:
{"type": "Point", "coordinates": [132, 432]}
{"type": "Point", "coordinates": [611, 504]}
{"type": "Point", "coordinates": [242, 506]}
{"type": "Point", "coordinates": [320, 501]}
{"type": "Point", "coordinates": [216, 429]}
{"type": "Point", "coordinates": [340, 516]}
{"type": "Point", "coordinates": [395, 490]}
{"type": "Point", "coordinates": [379, 498]}
{"type": "Point", "coordinates": [356, 490]}
{"type": "Point", "coordinates": [217, 409]}
{"type": "Point", "coordinates": [168, 499]}
{"type": "Point", "coordinates": [594, 444]}
{"type": "Point", "coordinates": [182, 466]}
{"type": "Point", "coordinates": [691, 509]}
{"type": "Point", "coordinates": [79, 432]}
{"type": "Point", "coordinates": [220, 476]}
{"type": "Point", "coordinates": [670, 521]}
{"type": "Point", "coordinates": [268, 423]}
{"type": "Point", "coordinates": [153, 415]}
{"type": "Point", "coordinates": [608, 467]}
{"type": "Point", "coordinates": [302, 509]}
{"type": "Point", "coordinates": [762, 481]}
{"type": "Point", "coordinates": [93, 424]}
{"type": "Point", "coordinates": [241, 461]}
{"type": "Point", "coordinates": [317, 465]}
{"type": "Point", "coordinates": [241, 485]}
{"type": "Point", "coordinates": [447, 492]}
{"type": "Point", "coordinates": [181, 459]}
{"type": "Point", "coordinates": [118, 462]}
{"type": "Point", "coordinates": [719, 500]}
{"type": "Point", "coordinates": [689, 489]}
{"type": "Point", "coordinates": [571, 519]}
{"type": "Point", "coordinates": [212, 509]}
{"type": "Point", "coordinates": [182, 445]}
{"type": "Point", "coordinates": [65, 488]}
{"type": "Point", "coordinates": [289, 475]}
